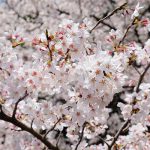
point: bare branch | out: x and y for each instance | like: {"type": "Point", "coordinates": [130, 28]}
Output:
{"type": "Point", "coordinates": [58, 139]}
{"type": "Point", "coordinates": [118, 133]}
{"type": "Point", "coordinates": [109, 15]}
{"type": "Point", "coordinates": [126, 32]}
{"type": "Point", "coordinates": [103, 22]}
{"type": "Point", "coordinates": [104, 141]}
{"type": "Point", "coordinates": [16, 105]}
{"type": "Point", "coordinates": [48, 46]}
{"type": "Point", "coordinates": [52, 128]}
{"type": "Point", "coordinates": [136, 70]}
{"type": "Point", "coordinates": [142, 77]}
{"type": "Point", "coordinates": [62, 12]}
{"type": "Point", "coordinates": [100, 140]}
{"type": "Point", "coordinates": [138, 37]}
{"type": "Point", "coordinates": [81, 136]}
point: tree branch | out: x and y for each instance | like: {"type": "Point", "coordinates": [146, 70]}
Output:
{"type": "Point", "coordinates": [81, 136]}
{"type": "Point", "coordinates": [118, 133]}
{"type": "Point", "coordinates": [142, 77]}
{"type": "Point", "coordinates": [17, 103]}
{"type": "Point", "coordinates": [48, 46]}
{"type": "Point", "coordinates": [109, 15]}
{"type": "Point", "coordinates": [62, 12]}
{"type": "Point", "coordinates": [126, 32]}
{"type": "Point", "coordinates": [138, 37]}
{"type": "Point", "coordinates": [19, 124]}
{"type": "Point", "coordinates": [136, 70]}
{"type": "Point", "coordinates": [103, 22]}
{"type": "Point", "coordinates": [52, 128]}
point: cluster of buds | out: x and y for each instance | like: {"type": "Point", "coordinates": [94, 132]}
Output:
{"type": "Point", "coordinates": [16, 40]}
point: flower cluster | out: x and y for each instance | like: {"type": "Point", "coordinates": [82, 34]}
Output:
{"type": "Point", "coordinates": [86, 77]}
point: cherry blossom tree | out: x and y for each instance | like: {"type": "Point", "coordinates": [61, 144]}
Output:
{"type": "Point", "coordinates": [71, 80]}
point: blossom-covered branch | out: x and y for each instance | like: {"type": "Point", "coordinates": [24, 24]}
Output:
{"type": "Point", "coordinates": [19, 124]}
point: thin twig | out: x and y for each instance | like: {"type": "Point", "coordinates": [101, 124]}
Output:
{"type": "Point", "coordinates": [104, 141]}
{"type": "Point", "coordinates": [62, 12]}
{"type": "Point", "coordinates": [142, 77]}
{"type": "Point", "coordinates": [109, 15]}
{"type": "Point", "coordinates": [126, 32]}
{"type": "Point", "coordinates": [81, 136]}
{"type": "Point", "coordinates": [80, 7]}
{"type": "Point", "coordinates": [58, 139]}
{"type": "Point", "coordinates": [48, 46]}
{"type": "Point", "coordinates": [100, 140]}
{"type": "Point", "coordinates": [17, 103]}
{"type": "Point", "coordinates": [103, 22]}
{"type": "Point", "coordinates": [51, 129]}
{"type": "Point", "coordinates": [137, 70]}
{"type": "Point", "coordinates": [138, 37]}
{"type": "Point", "coordinates": [118, 133]}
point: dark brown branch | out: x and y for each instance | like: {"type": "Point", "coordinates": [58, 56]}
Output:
{"type": "Point", "coordinates": [62, 12]}
{"type": "Point", "coordinates": [81, 136]}
{"type": "Point", "coordinates": [109, 15]}
{"type": "Point", "coordinates": [17, 103]}
{"type": "Point", "coordinates": [58, 139]}
{"type": "Point", "coordinates": [136, 70]}
{"type": "Point", "coordinates": [138, 37]}
{"type": "Point", "coordinates": [142, 77]}
{"type": "Point", "coordinates": [104, 141]}
{"type": "Point", "coordinates": [48, 46]}
{"type": "Point", "coordinates": [103, 22]}
{"type": "Point", "coordinates": [52, 128]}
{"type": "Point", "coordinates": [100, 140]}
{"type": "Point", "coordinates": [19, 124]}
{"type": "Point", "coordinates": [126, 32]}
{"type": "Point", "coordinates": [117, 134]}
